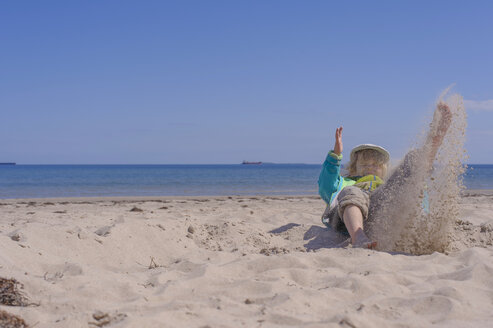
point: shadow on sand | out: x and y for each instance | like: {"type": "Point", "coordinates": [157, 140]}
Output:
{"type": "Point", "coordinates": [322, 237]}
{"type": "Point", "coordinates": [318, 237]}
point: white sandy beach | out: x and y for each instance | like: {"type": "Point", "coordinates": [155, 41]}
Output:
{"type": "Point", "coordinates": [233, 262]}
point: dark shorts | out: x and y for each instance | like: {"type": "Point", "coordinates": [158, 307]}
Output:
{"type": "Point", "coordinates": [350, 195]}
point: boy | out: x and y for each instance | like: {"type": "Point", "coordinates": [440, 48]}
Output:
{"type": "Point", "coordinates": [363, 193]}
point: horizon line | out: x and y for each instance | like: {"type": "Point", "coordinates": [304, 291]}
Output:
{"type": "Point", "coordinates": [263, 163]}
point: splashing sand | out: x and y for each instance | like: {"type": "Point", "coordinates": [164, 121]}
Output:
{"type": "Point", "coordinates": [418, 213]}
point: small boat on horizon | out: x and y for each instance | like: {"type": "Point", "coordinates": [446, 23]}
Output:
{"type": "Point", "coordinates": [255, 163]}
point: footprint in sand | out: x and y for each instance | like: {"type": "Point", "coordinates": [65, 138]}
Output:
{"type": "Point", "coordinates": [16, 235]}
{"type": "Point", "coordinates": [103, 231]}
{"type": "Point", "coordinates": [55, 273]}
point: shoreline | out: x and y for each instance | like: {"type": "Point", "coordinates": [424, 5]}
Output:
{"type": "Point", "coordinates": [464, 193]}
{"type": "Point", "coordinates": [97, 199]}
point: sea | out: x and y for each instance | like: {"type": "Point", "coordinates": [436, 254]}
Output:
{"type": "Point", "coordinates": [47, 181]}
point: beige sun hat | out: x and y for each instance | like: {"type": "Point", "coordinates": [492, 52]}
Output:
{"type": "Point", "coordinates": [381, 150]}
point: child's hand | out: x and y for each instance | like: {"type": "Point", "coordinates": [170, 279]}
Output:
{"type": "Point", "coordinates": [338, 144]}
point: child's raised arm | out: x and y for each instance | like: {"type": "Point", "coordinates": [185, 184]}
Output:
{"type": "Point", "coordinates": [338, 143]}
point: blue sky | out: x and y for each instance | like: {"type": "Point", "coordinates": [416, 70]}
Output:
{"type": "Point", "coordinates": [170, 82]}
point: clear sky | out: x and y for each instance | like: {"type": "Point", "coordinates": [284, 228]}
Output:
{"type": "Point", "coordinates": [176, 82]}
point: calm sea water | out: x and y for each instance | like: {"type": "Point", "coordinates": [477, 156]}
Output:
{"type": "Point", "coordinates": [37, 181]}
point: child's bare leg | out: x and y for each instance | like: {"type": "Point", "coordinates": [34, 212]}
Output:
{"type": "Point", "coordinates": [353, 219]}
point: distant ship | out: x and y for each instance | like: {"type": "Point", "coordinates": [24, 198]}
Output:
{"type": "Point", "coordinates": [247, 162]}
{"type": "Point", "coordinates": [7, 163]}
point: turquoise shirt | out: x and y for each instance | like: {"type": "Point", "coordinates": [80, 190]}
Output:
{"type": "Point", "coordinates": [330, 181]}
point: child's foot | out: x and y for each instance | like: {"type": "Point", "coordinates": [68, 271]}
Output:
{"type": "Point", "coordinates": [362, 241]}
{"type": "Point", "coordinates": [369, 245]}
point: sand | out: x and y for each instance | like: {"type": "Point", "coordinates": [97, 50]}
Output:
{"type": "Point", "coordinates": [234, 262]}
